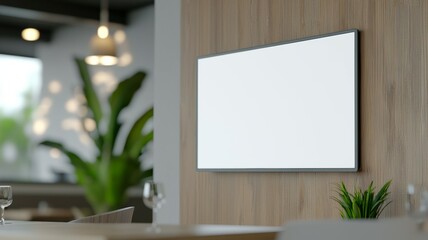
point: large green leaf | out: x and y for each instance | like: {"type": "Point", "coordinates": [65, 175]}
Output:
{"type": "Point", "coordinates": [120, 99]}
{"type": "Point", "coordinates": [136, 140]}
{"type": "Point", "coordinates": [76, 160]}
{"type": "Point", "coordinates": [140, 145]}
{"type": "Point", "coordinates": [87, 175]}
{"type": "Point", "coordinates": [91, 96]}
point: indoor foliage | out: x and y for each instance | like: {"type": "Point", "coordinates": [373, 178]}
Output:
{"type": "Point", "coordinates": [107, 179]}
{"type": "Point", "coordinates": [362, 204]}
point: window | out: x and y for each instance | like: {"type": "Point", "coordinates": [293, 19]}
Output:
{"type": "Point", "coordinates": [20, 86]}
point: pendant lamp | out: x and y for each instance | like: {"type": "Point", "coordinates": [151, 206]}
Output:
{"type": "Point", "coordinates": [103, 48]}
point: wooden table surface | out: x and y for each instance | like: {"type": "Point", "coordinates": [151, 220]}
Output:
{"type": "Point", "coordinates": [67, 231]}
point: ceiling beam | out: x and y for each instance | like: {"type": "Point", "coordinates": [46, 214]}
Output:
{"type": "Point", "coordinates": [56, 11]}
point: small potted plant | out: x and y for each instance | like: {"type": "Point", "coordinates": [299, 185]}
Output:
{"type": "Point", "coordinates": [362, 204]}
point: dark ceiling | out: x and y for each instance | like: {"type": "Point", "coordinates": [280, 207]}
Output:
{"type": "Point", "coordinates": [115, 4]}
{"type": "Point", "coordinates": [48, 15]}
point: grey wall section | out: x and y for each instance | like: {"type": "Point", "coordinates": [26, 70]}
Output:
{"type": "Point", "coordinates": [17, 47]}
{"type": "Point", "coordinates": [167, 105]}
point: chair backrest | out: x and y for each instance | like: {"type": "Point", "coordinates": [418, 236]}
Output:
{"type": "Point", "coordinates": [385, 229]}
{"type": "Point", "coordinates": [123, 215]}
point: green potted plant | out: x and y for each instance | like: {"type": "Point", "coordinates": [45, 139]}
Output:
{"type": "Point", "coordinates": [107, 178]}
{"type": "Point", "coordinates": [362, 204]}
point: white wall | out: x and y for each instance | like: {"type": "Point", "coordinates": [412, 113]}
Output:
{"type": "Point", "coordinates": [167, 105]}
{"type": "Point", "coordinates": [58, 65]}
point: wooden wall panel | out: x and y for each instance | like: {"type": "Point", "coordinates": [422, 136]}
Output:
{"type": "Point", "coordinates": [394, 104]}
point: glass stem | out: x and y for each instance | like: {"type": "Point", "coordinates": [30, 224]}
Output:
{"type": "Point", "coordinates": [2, 215]}
{"type": "Point", "coordinates": [154, 220]}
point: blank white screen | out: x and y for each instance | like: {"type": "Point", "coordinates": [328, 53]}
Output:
{"type": "Point", "coordinates": [289, 106]}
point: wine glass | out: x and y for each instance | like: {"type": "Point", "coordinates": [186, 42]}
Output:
{"type": "Point", "coordinates": [417, 203]}
{"type": "Point", "coordinates": [5, 200]}
{"type": "Point", "coordinates": [153, 197]}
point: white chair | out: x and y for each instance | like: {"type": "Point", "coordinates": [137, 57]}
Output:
{"type": "Point", "coordinates": [123, 215]}
{"type": "Point", "coordinates": [385, 229]}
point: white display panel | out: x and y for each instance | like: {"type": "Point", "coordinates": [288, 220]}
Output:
{"type": "Point", "coordinates": [285, 107]}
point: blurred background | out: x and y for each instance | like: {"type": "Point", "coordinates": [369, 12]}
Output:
{"type": "Point", "coordinates": [41, 97]}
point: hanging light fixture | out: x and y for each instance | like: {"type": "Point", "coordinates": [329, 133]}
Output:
{"type": "Point", "coordinates": [102, 45]}
{"type": "Point", "coordinates": [30, 34]}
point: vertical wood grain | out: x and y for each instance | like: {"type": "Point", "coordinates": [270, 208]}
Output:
{"type": "Point", "coordinates": [393, 99]}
